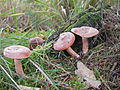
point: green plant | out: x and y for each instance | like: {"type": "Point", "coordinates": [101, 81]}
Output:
{"type": "Point", "coordinates": [58, 67]}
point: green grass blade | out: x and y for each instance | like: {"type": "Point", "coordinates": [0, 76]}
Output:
{"type": "Point", "coordinates": [46, 76]}
{"type": "Point", "coordinates": [10, 77]}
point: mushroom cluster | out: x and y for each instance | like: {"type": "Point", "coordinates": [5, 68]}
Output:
{"type": "Point", "coordinates": [67, 39]}
{"type": "Point", "coordinates": [17, 52]}
{"type": "Point", "coordinates": [64, 42]}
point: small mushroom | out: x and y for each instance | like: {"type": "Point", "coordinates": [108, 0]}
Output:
{"type": "Point", "coordinates": [17, 52]}
{"type": "Point", "coordinates": [85, 32]}
{"type": "Point", "coordinates": [35, 41]}
{"type": "Point", "coordinates": [65, 42]}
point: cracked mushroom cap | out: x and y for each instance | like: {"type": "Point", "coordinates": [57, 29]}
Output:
{"type": "Point", "coordinates": [65, 40]}
{"type": "Point", "coordinates": [36, 40]}
{"type": "Point", "coordinates": [17, 52]}
{"type": "Point", "coordinates": [85, 31]}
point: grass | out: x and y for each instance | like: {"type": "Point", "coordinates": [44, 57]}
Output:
{"type": "Point", "coordinates": [46, 68]}
{"type": "Point", "coordinates": [41, 59]}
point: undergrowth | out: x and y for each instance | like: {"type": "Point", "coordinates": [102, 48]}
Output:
{"type": "Point", "coordinates": [49, 69]}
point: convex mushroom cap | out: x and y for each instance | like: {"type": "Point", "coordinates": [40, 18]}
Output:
{"type": "Point", "coordinates": [65, 40]}
{"type": "Point", "coordinates": [36, 40]}
{"type": "Point", "coordinates": [17, 52]}
{"type": "Point", "coordinates": [85, 31]}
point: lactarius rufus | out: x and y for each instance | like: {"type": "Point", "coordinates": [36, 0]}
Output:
{"type": "Point", "coordinates": [65, 42]}
{"type": "Point", "coordinates": [17, 52]}
{"type": "Point", "coordinates": [34, 42]}
{"type": "Point", "coordinates": [85, 32]}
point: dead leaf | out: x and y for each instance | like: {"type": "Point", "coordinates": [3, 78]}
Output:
{"type": "Point", "coordinates": [87, 75]}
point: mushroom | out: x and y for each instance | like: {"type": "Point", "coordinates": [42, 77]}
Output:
{"type": "Point", "coordinates": [35, 41]}
{"type": "Point", "coordinates": [65, 42]}
{"type": "Point", "coordinates": [17, 52]}
{"type": "Point", "coordinates": [85, 32]}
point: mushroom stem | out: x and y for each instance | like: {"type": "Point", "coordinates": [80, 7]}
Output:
{"type": "Point", "coordinates": [72, 52]}
{"type": "Point", "coordinates": [85, 45]}
{"type": "Point", "coordinates": [18, 67]}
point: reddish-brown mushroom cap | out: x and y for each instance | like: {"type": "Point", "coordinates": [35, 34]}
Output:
{"type": "Point", "coordinates": [17, 52]}
{"type": "Point", "coordinates": [36, 40]}
{"type": "Point", "coordinates": [85, 31]}
{"type": "Point", "coordinates": [65, 40]}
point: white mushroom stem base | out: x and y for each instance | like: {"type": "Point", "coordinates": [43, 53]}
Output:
{"type": "Point", "coordinates": [85, 45]}
{"type": "Point", "coordinates": [72, 53]}
{"type": "Point", "coordinates": [18, 67]}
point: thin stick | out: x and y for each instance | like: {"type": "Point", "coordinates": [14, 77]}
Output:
{"type": "Point", "coordinates": [10, 78]}
{"type": "Point", "coordinates": [46, 76]}
{"type": "Point", "coordinates": [6, 64]}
